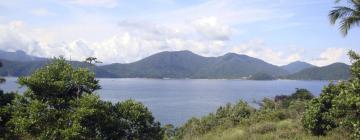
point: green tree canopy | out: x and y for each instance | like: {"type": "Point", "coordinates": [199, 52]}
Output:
{"type": "Point", "coordinates": [58, 82]}
{"type": "Point", "coordinates": [337, 106]}
{"type": "Point", "coordinates": [60, 104]}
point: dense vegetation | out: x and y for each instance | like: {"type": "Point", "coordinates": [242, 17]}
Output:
{"type": "Point", "coordinates": [332, 115]}
{"type": "Point", "coordinates": [185, 64]}
{"type": "Point", "coordinates": [276, 118]}
{"type": "Point", "coordinates": [60, 103]}
{"type": "Point", "coordinates": [338, 106]}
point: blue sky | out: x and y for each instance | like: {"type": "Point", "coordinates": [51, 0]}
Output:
{"type": "Point", "coordinates": [122, 31]}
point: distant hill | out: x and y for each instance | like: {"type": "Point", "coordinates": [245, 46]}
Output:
{"type": "Point", "coordinates": [336, 71]}
{"type": "Point", "coordinates": [296, 66]}
{"type": "Point", "coordinates": [19, 56]}
{"type": "Point", "coordinates": [185, 64]}
{"type": "Point", "coordinates": [23, 68]}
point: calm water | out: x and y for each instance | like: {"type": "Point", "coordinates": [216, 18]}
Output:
{"type": "Point", "coordinates": [175, 101]}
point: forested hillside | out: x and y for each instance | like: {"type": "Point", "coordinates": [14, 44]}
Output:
{"type": "Point", "coordinates": [185, 64]}
{"type": "Point", "coordinates": [334, 71]}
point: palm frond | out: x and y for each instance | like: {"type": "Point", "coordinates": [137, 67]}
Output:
{"type": "Point", "coordinates": [356, 2]}
{"type": "Point", "coordinates": [348, 23]}
{"type": "Point", "coordinates": [340, 12]}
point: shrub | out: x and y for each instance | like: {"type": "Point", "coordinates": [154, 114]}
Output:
{"type": "Point", "coordinates": [317, 117]}
{"type": "Point", "coordinates": [338, 105]}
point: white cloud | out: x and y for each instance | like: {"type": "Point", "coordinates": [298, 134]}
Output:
{"type": "Point", "coordinates": [11, 38]}
{"type": "Point", "coordinates": [330, 55]}
{"type": "Point", "coordinates": [204, 29]}
{"type": "Point", "coordinates": [135, 42]}
{"type": "Point", "coordinates": [95, 3]}
{"type": "Point", "coordinates": [257, 48]}
{"type": "Point", "coordinates": [42, 12]}
{"type": "Point", "coordinates": [211, 28]}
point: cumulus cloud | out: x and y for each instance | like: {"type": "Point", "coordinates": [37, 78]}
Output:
{"type": "Point", "coordinates": [257, 48]}
{"type": "Point", "coordinates": [205, 29]}
{"type": "Point", "coordinates": [330, 55]}
{"type": "Point", "coordinates": [11, 38]}
{"type": "Point", "coordinates": [136, 42]}
{"type": "Point", "coordinates": [211, 28]}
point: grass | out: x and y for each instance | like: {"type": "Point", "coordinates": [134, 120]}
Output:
{"type": "Point", "coordinates": [281, 130]}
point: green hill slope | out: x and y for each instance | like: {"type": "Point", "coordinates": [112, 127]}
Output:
{"type": "Point", "coordinates": [336, 71]}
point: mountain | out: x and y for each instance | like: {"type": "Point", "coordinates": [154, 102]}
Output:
{"type": "Point", "coordinates": [336, 71]}
{"type": "Point", "coordinates": [185, 64]}
{"type": "Point", "coordinates": [179, 64]}
{"type": "Point", "coordinates": [23, 68]}
{"type": "Point", "coordinates": [296, 66]}
{"type": "Point", "coordinates": [19, 56]}
{"type": "Point", "coordinates": [19, 68]}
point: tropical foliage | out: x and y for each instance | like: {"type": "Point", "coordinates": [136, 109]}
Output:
{"type": "Point", "coordinates": [5, 100]}
{"type": "Point", "coordinates": [276, 118]}
{"type": "Point", "coordinates": [348, 16]}
{"type": "Point", "coordinates": [61, 103]}
{"type": "Point", "coordinates": [338, 106]}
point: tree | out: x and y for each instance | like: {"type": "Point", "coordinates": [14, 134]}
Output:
{"type": "Point", "coordinates": [317, 117]}
{"type": "Point", "coordinates": [58, 83]}
{"type": "Point", "coordinates": [124, 120]}
{"type": "Point", "coordinates": [169, 132]}
{"type": "Point", "coordinates": [60, 104]}
{"type": "Point", "coordinates": [55, 103]}
{"type": "Point", "coordinates": [337, 106]}
{"type": "Point", "coordinates": [301, 94]}
{"type": "Point", "coordinates": [298, 95]}
{"type": "Point", "coordinates": [348, 16]}
{"type": "Point", "coordinates": [347, 104]}
{"type": "Point", "coordinates": [5, 114]}
{"type": "Point", "coordinates": [92, 60]}
{"type": "Point", "coordinates": [346, 107]}
{"type": "Point", "coordinates": [140, 123]}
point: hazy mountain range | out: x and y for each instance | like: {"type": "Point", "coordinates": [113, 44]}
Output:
{"type": "Point", "coordinates": [185, 64]}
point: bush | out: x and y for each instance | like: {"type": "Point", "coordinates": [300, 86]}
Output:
{"type": "Point", "coordinates": [299, 95]}
{"type": "Point", "coordinates": [5, 113]}
{"type": "Point", "coordinates": [317, 117]}
{"type": "Point", "coordinates": [338, 105]}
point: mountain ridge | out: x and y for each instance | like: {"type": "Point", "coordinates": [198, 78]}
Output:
{"type": "Point", "coordinates": [184, 64]}
{"type": "Point", "coordinates": [297, 66]}
{"type": "Point", "coordinates": [333, 71]}
{"type": "Point", "coordinates": [19, 55]}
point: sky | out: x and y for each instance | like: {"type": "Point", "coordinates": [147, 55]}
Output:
{"type": "Point", "coordinates": [124, 31]}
